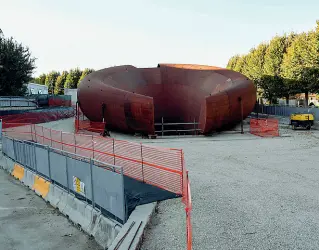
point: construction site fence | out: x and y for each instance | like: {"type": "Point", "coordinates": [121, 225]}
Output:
{"type": "Point", "coordinates": [43, 100]}
{"type": "Point", "coordinates": [83, 177]}
{"type": "Point", "coordinates": [36, 117]}
{"type": "Point", "coordinates": [161, 167]}
{"type": "Point", "coordinates": [264, 127]}
{"type": "Point", "coordinates": [17, 101]}
{"type": "Point", "coordinates": [87, 125]}
{"type": "Point", "coordinates": [60, 100]}
{"type": "Point", "coordinates": [169, 127]}
{"type": "Point", "coordinates": [285, 110]}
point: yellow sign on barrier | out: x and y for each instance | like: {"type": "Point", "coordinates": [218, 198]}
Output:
{"type": "Point", "coordinates": [78, 186]}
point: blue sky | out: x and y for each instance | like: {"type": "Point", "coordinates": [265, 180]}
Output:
{"type": "Point", "coordinates": [101, 33]}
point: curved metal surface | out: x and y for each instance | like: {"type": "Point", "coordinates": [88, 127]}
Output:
{"type": "Point", "coordinates": [135, 98]}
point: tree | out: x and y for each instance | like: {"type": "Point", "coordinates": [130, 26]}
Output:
{"type": "Point", "coordinates": [300, 65]}
{"type": "Point", "coordinates": [240, 64]}
{"type": "Point", "coordinates": [50, 80]}
{"type": "Point", "coordinates": [255, 64]}
{"type": "Point", "coordinates": [16, 66]}
{"type": "Point", "coordinates": [40, 79]}
{"type": "Point", "coordinates": [272, 82]}
{"type": "Point", "coordinates": [60, 81]}
{"type": "Point", "coordinates": [232, 62]}
{"type": "Point", "coordinates": [72, 79]}
{"type": "Point", "coordinates": [84, 74]}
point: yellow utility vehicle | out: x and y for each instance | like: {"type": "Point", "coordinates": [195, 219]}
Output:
{"type": "Point", "coordinates": [301, 120]}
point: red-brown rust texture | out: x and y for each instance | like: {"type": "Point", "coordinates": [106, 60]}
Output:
{"type": "Point", "coordinates": [135, 98]}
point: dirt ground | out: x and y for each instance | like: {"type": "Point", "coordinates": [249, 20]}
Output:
{"type": "Point", "coordinates": [248, 192]}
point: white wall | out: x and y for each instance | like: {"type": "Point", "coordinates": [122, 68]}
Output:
{"type": "Point", "coordinates": [34, 88]}
{"type": "Point", "coordinates": [73, 94]}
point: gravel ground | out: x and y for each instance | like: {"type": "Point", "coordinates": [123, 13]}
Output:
{"type": "Point", "coordinates": [247, 193]}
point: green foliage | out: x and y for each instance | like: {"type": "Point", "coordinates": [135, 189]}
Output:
{"type": "Point", "coordinates": [287, 65]}
{"type": "Point", "coordinates": [40, 79]}
{"type": "Point", "coordinates": [50, 80]}
{"type": "Point", "coordinates": [60, 81]}
{"type": "Point", "coordinates": [232, 62]}
{"type": "Point", "coordinates": [300, 65]}
{"type": "Point", "coordinates": [84, 74]}
{"type": "Point", "coordinates": [16, 67]}
{"type": "Point", "coordinates": [240, 64]}
{"type": "Point", "coordinates": [255, 63]}
{"type": "Point", "coordinates": [73, 78]}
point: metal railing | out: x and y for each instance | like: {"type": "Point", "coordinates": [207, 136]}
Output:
{"type": "Point", "coordinates": [284, 110]}
{"type": "Point", "coordinates": [193, 130]}
{"type": "Point", "coordinates": [84, 177]}
{"type": "Point", "coordinates": [16, 101]}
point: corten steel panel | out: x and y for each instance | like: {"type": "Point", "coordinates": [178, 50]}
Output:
{"type": "Point", "coordinates": [135, 98]}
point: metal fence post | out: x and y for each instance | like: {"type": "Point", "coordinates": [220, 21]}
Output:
{"type": "Point", "coordinates": [92, 186]}
{"type": "Point", "coordinates": [61, 142]}
{"type": "Point", "coordinates": [125, 209]}
{"type": "Point", "coordinates": [142, 161]}
{"type": "Point", "coordinates": [49, 164]}
{"type": "Point", "coordinates": [42, 135]}
{"type": "Point", "coordinates": [194, 126]}
{"type": "Point", "coordinates": [114, 151]}
{"type": "Point", "coordinates": [51, 136]}
{"type": "Point", "coordinates": [93, 146]}
{"type": "Point", "coordinates": [35, 158]}
{"type": "Point", "coordinates": [24, 155]}
{"type": "Point", "coordinates": [74, 143]}
{"type": "Point", "coordinates": [67, 173]}
{"type": "Point", "coordinates": [31, 132]}
{"type": "Point", "coordinates": [14, 149]}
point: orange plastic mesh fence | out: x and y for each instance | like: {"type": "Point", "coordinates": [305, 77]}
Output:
{"type": "Point", "coordinates": [162, 167]}
{"type": "Point", "coordinates": [36, 117]}
{"type": "Point", "coordinates": [96, 127]}
{"type": "Point", "coordinates": [59, 100]}
{"type": "Point", "coordinates": [264, 127]}
{"type": "Point", "coordinates": [102, 145]}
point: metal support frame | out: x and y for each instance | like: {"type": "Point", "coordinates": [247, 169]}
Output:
{"type": "Point", "coordinates": [92, 186]}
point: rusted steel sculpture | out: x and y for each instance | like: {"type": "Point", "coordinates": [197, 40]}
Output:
{"type": "Point", "coordinates": [131, 99]}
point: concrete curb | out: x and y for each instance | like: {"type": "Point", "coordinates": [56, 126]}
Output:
{"type": "Point", "coordinates": [79, 212]}
{"type": "Point", "coordinates": [131, 235]}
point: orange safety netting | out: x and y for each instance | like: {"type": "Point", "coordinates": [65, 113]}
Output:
{"type": "Point", "coordinates": [36, 117]}
{"type": "Point", "coordinates": [59, 100]}
{"type": "Point", "coordinates": [161, 167]}
{"type": "Point", "coordinates": [264, 127]}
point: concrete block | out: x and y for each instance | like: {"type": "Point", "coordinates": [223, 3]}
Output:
{"type": "Point", "coordinates": [54, 195]}
{"type": "Point", "coordinates": [62, 202]}
{"type": "Point", "coordinates": [28, 178]}
{"type": "Point", "coordinates": [18, 172]}
{"type": "Point", "coordinates": [41, 186]}
{"type": "Point", "coordinates": [81, 213]}
{"type": "Point", "coordinates": [104, 231]}
{"type": "Point", "coordinates": [9, 164]}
